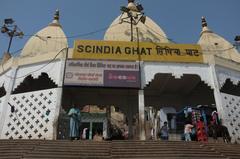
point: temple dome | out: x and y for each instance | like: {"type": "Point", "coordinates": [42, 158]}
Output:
{"type": "Point", "coordinates": [214, 44]}
{"type": "Point", "coordinates": [49, 39]}
{"type": "Point", "coordinates": [148, 32]}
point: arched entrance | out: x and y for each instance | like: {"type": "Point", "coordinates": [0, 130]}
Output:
{"type": "Point", "coordinates": [168, 96]}
{"type": "Point", "coordinates": [102, 109]}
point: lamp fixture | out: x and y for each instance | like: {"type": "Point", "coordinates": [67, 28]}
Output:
{"type": "Point", "coordinates": [11, 30]}
{"type": "Point", "coordinates": [134, 14]}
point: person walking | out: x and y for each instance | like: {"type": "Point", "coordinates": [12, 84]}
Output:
{"type": "Point", "coordinates": [164, 131]}
{"type": "Point", "coordinates": [187, 131]}
{"type": "Point", "coordinates": [84, 133]}
{"type": "Point", "coordinates": [75, 119]}
{"type": "Point", "coordinates": [213, 128]}
{"type": "Point", "coordinates": [201, 131]}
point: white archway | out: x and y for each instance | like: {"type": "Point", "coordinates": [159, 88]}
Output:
{"type": "Point", "coordinates": [163, 116]}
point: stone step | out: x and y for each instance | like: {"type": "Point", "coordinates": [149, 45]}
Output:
{"type": "Point", "coordinates": [203, 156]}
{"type": "Point", "coordinates": [159, 148]}
{"type": "Point", "coordinates": [55, 148]}
{"type": "Point", "coordinates": [228, 151]}
{"type": "Point", "coordinates": [67, 156]}
{"type": "Point", "coordinates": [155, 146]}
{"type": "Point", "coordinates": [90, 153]}
{"type": "Point", "coordinates": [49, 149]}
{"type": "Point", "coordinates": [117, 145]}
{"type": "Point", "coordinates": [10, 157]}
{"type": "Point", "coordinates": [5, 153]}
{"type": "Point", "coordinates": [162, 151]}
{"type": "Point", "coordinates": [164, 157]}
{"type": "Point", "coordinates": [73, 146]}
{"type": "Point", "coordinates": [11, 154]}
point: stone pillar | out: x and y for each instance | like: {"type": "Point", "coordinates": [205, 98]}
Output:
{"type": "Point", "coordinates": [155, 127]}
{"type": "Point", "coordinates": [90, 131]}
{"type": "Point", "coordinates": [108, 113]}
{"type": "Point", "coordinates": [173, 122]}
{"type": "Point", "coordinates": [130, 122]}
{"type": "Point", "coordinates": [142, 134]}
{"type": "Point", "coordinates": [105, 129]}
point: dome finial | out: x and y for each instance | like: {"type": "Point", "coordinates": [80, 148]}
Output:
{"type": "Point", "coordinates": [55, 21]}
{"type": "Point", "coordinates": [204, 22]}
{"type": "Point", "coordinates": [131, 1]}
{"type": "Point", "coordinates": [205, 28]}
{"type": "Point", "coordinates": [56, 15]}
{"type": "Point", "coordinates": [132, 6]}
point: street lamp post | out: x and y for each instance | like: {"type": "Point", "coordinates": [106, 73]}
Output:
{"type": "Point", "coordinates": [11, 30]}
{"type": "Point", "coordinates": [135, 15]}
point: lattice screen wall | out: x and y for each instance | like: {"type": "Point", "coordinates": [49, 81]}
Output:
{"type": "Point", "coordinates": [33, 117]}
{"type": "Point", "coordinates": [231, 107]}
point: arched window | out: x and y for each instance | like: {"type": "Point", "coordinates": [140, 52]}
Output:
{"type": "Point", "coordinates": [30, 84]}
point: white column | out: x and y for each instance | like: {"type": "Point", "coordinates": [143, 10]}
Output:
{"type": "Point", "coordinates": [155, 128]}
{"type": "Point", "coordinates": [217, 94]}
{"type": "Point", "coordinates": [142, 135]}
{"type": "Point", "coordinates": [90, 131]}
{"type": "Point", "coordinates": [105, 129]}
{"type": "Point", "coordinates": [130, 122]}
{"type": "Point", "coordinates": [59, 92]}
{"type": "Point", "coordinates": [108, 113]}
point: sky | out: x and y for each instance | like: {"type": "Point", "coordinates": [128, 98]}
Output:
{"type": "Point", "coordinates": [179, 19]}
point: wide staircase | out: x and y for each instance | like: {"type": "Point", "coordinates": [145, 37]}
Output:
{"type": "Point", "coordinates": [59, 149]}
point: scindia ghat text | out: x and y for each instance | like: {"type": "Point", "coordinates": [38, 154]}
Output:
{"type": "Point", "coordinates": [167, 51]}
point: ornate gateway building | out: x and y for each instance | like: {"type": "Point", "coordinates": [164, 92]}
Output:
{"type": "Point", "coordinates": [136, 69]}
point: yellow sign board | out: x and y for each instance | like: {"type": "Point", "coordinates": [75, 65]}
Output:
{"type": "Point", "coordinates": [134, 51]}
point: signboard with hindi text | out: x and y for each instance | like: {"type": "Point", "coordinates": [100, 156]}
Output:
{"type": "Point", "coordinates": [137, 51]}
{"type": "Point", "coordinates": [102, 73]}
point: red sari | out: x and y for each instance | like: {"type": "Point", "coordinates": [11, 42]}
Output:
{"type": "Point", "coordinates": [201, 132]}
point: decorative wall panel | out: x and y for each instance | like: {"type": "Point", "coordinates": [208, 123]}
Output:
{"type": "Point", "coordinates": [33, 116]}
{"type": "Point", "coordinates": [231, 108]}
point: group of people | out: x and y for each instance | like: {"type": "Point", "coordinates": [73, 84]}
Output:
{"type": "Point", "coordinates": [200, 132]}
{"type": "Point", "coordinates": [197, 132]}
{"type": "Point", "coordinates": [199, 126]}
